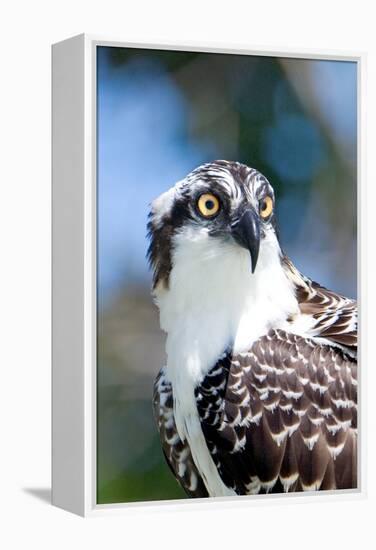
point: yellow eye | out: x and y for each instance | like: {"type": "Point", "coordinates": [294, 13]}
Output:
{"type": "Point", "coordinates": [266, 207]}
{"type": "Point", "coordinates": [208, 205]}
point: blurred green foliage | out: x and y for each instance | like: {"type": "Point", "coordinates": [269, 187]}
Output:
{"type": "Point", "coordinates": [142, 482]}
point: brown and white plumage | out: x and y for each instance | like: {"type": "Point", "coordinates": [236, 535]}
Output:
{"type": "Point", "coordinates": [276, 410]}
{"type": "Point", "coordinates": [280, 417]}
{"type": "Point", "coordinates": [336, 317]}
{"type": "Point", "coordinates": [176, 452]}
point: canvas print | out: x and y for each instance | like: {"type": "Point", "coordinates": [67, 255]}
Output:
{"type": "Point", "coordinates": [227, 275]}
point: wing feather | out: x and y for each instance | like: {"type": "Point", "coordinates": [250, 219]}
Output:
{"type": "Point", "coordinates": [288, 416]}
{"type": "Point", "coordinates": [176, 452]}
{"type": "Point", "coordinates": [335, 317]}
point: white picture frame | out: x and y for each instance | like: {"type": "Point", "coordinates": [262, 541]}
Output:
{"type": "Point", "coordinates": [74, 275]}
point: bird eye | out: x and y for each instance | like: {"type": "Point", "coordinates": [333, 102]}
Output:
{"type": "Point", "coordinates": [208, 205]}
{"type": "Point", "coordinates": [266, 207]}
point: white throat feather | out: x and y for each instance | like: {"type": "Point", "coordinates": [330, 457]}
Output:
{"type": "Point", "coordinates": [214, 302]}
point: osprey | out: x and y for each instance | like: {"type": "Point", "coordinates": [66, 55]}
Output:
{"type": "Point", "coordinates": [259, 391]}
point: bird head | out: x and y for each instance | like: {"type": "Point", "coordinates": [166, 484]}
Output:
{"type": "Point", "coordinates": [221, 204]}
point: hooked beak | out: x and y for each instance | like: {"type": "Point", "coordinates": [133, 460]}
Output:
{"type": "Point", "coordinates": [246, 233]}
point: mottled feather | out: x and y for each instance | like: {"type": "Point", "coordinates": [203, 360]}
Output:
{"type": "Point", "coordinates": [281, 417]}
{"type": "Point", "coordinates": [287, 417]}
{"type": "Point", "coordinates": [177, 453]}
